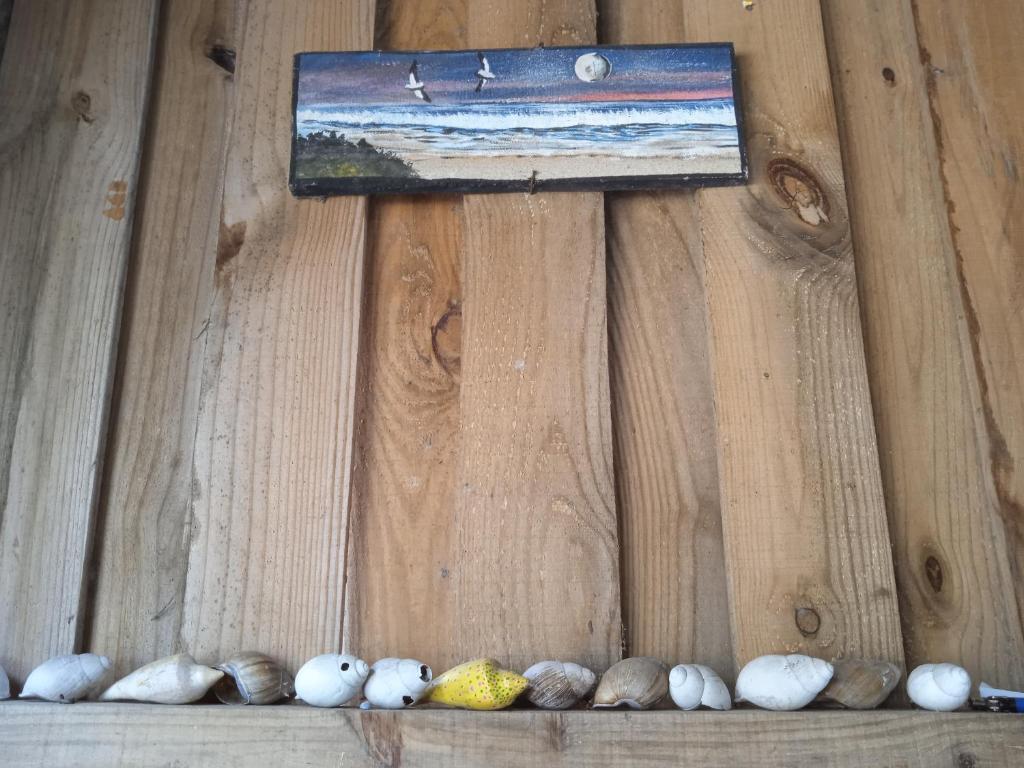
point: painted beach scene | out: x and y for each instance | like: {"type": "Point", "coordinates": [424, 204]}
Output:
{"type": "Point", "coordinates": [607, 117]}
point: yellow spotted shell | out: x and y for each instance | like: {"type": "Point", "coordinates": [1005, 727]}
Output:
{"type": "Point", "coordinates": [479, 684]}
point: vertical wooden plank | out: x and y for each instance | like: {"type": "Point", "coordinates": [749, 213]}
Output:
{"type": "Point", "coordinates": [272, 455]}
{"type": "Point", "coordinates": [949, 543]}
{"type": "Point", "coordinates": [398, 592]}
{"type": "Point", "coordinates": [674, 597]}
{"type": "Point", "coordinates": [5, 20]}
{"type": "Point", "coordinates": [809, 561]}
{"type": "Point", "coordinates": [73, 95]}
{"type": "Point", "coordinates": [144, 518]}
{"type": "Point", "coordinates": [971, 53]}
{"type": "Point", "coordinates": [537, 569]}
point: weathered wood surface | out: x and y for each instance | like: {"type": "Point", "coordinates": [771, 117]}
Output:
{"type": "Point", "coordinates": [273, 444]}
{"type": "Point", "coordinates": [139, 735]}
{"type": "Point", "coordinates": [674, 600]}
{"type": "Point", "coordinates": [73, 91]}
{"type": "Point", "coordinates": [968, 50]}
{"type": "Point", "coordinates": [537, 546]}
{"type": "Point", "coordinates": [807, 548]}
{"type": "Point", "coordinates": [399, 597]}
{"type": "Point", "coordinates": [955, 580]}
{"type": "Point", "coordinates": [144, 518]}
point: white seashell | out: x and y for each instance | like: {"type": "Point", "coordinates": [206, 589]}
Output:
{"type": "Point", "coordinates": [331, 679]}
{"type": "Point", "coordinates": [396, 683]}
{"type": "Point", "coordinates": [783, 682]}
{"type": "Point", "coordinates": [66, 678]}
{"type": "Point", "coordinates": [985, 691]}
{"type": "Point", "coordinates": [558, 684]}
{"type": "Point", "coordinates": [939, 687]}
{"type": "Point", "coordinates": [172, 680]}
{"type": "Point", "coordinates": [695, 685]}
{"type": "Point", "coordinates": [5, 685]}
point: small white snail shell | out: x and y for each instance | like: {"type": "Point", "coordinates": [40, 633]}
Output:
{"type": "Point", "coordinates": [66, 678]}
{"type": "Point", "coordinates": [396, 683]}
{"type": "Point", "coordinates": [5, 685]}
{"type": "Point", "coordinates": [638, 683]}
{"type": "Point", "coordinates": [782, 682]}
{"type": "Point", "coordinates": [558, 684]}
{"type": "Point", "coordinates": [253, 678]}
{"type": "Point", "coordinates": [172, 680]}
{"type": "Point", "coordinates": [331, 679]}
{"type": "Point", "coordinates": [695, 685]}
{"type": "Point", "coordinates": [939, 687]}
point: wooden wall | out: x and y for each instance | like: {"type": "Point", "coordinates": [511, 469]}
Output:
{"type": "Point", "coordinates": [703, 425]}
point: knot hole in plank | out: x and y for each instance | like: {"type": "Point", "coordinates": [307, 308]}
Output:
{"type": "Point", "coordinates": [446, 339]}
{"type": "Point", "coordinates": [808, 621]}
{"type": "Point", "coordinates": [800, 190]}
{"type": "Point", "coordinates": [81, 103]}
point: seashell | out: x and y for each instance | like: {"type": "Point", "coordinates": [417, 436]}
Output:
{"type": "Point", "coordinates": [253, 678]}
{"type": "Point", "coordinates": [939, 687]}
{"type": "Point", "coordinates": [171, 680]}
{"type": "Point", "coordinates": [638, 683]}
{"type": "Point", "coordinates": [397, 683]}
{"type": "Point", "coordinates": [782, 682]}
{"type": "Point", "coordinates": [66, 678]}
{"type": "Point", "coordinates": [695, 685]}
{"type": "Point", "coordinates": [5, 685]}
{"type": "Point", "coordinates": [479, 684]}
{"type": "Point", "coordinates": [558, 684]}
{"type": "Point", "coordinates": [985, 690]}
{"type": "Point", "coordinates": [331, 679]}
{"type": "Point", "coordinates": [861, 683]}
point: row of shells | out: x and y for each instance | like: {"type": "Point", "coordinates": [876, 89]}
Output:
{"type": "Point", "coordinates": [775, 682]}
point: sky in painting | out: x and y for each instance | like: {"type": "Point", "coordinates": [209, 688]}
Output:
{"type": "Point", "coordinates": [521, 76]}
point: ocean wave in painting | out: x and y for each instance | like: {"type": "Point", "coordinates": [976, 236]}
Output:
{"type": "Point", "coordinates": [637, 129]}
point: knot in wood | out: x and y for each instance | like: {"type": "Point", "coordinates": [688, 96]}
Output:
{"type": "Point", "coordinates": [807, 621]}
{"type": "Point", "coordinates": [446, 340]}
{"type": "Point", "coordinates": [933, 571]}
{"type": "Point", "coordinates": [799, 190]}
{"type": "Point", "coordinates": [81, 103]}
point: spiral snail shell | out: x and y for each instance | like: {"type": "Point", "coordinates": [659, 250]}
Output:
{"type": "Point", "coordinates": [638, 683]}
{"type": "Point", "coordinates": [861, 683]}
{"type": "Point", "coordinates": [253, 678]}
{"type": "Point", "coordinates": [397, 683]}
{"type": "Point", "coordinates": [939, 687]}
{"type": "Point", "coordinates": [66, 678]}
{"type": "Point", "coordinates": [782, 682]}
{"type": "Point", "coordinates": [558, 684]}
{"type": "Point", "coordinates": [697, 685]}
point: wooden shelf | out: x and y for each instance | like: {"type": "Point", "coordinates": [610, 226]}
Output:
{"type": "Point", "coordinates": [89, 734]}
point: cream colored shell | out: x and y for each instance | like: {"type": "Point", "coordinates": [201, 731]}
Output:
{"type": "Point", "coordinates": [861, 683]}
{"type": "Point", "coordinates": [558, 684]}
{"type": "Point", "coordinates": [171, 680]}
{"type": "Point", "coordinates": [66, 678]}
{"type": "Point", "coordinates": [396, 683]}
{"type": "Point", "coordinates": [637, 683]}
{"type": "Point", "coordinates": [696, 685]}
{"type": "Point", "coordinates": [939, 687]}
{"type": "Point", "coordinates": [331, 679]}
{"type": "Point", "coordinates": [783, 682]}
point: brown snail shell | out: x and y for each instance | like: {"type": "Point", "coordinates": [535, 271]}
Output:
{"type": "Point", "coordinates": [558, 684]}
{"type": "Point", "coordinates": [638, 683]}
{"type": "Point", "coordinates": [861, 683]}
{"type": "Point", "coordinates": [253, 678]}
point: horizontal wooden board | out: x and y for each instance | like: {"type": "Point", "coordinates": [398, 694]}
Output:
{"type": "Point", "coordinates": [36, 734]}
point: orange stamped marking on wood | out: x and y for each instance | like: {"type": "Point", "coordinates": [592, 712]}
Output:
{"type": "Point", "coordinates": [117, 193]}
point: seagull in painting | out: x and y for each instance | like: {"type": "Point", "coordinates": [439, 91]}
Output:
{"type": "Point", "coordinates": [415, 84]}
{"type": "Point", "coordinates": [484, 73]}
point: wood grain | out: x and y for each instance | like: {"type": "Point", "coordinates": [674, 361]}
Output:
{"type": "Point", "coordinates": [399, 597]}
{"type": "Point", "coordinates": [674, 599]}
{"type": "Point", "coordinates": [73, 96]}
{"type": "Point", "coordinates": [5, 21]}
{"type": "Point", "coordinates": [537, 569]}
{"type": "Point", "coordinates": [273, 445]}
{"type": "Point", "coordinates": [807, 549]}
{"type": "Point", "coordinates": [967, 50]}
{"type": "Point", "coordinates": [949, 542]}
{"type": "Point", "coordinates": [140, 735]}
{"type": "Point", "coordinates": [144, 518]}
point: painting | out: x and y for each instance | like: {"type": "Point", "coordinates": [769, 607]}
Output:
{"type": "Point", "coordinates": [603, 118]}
